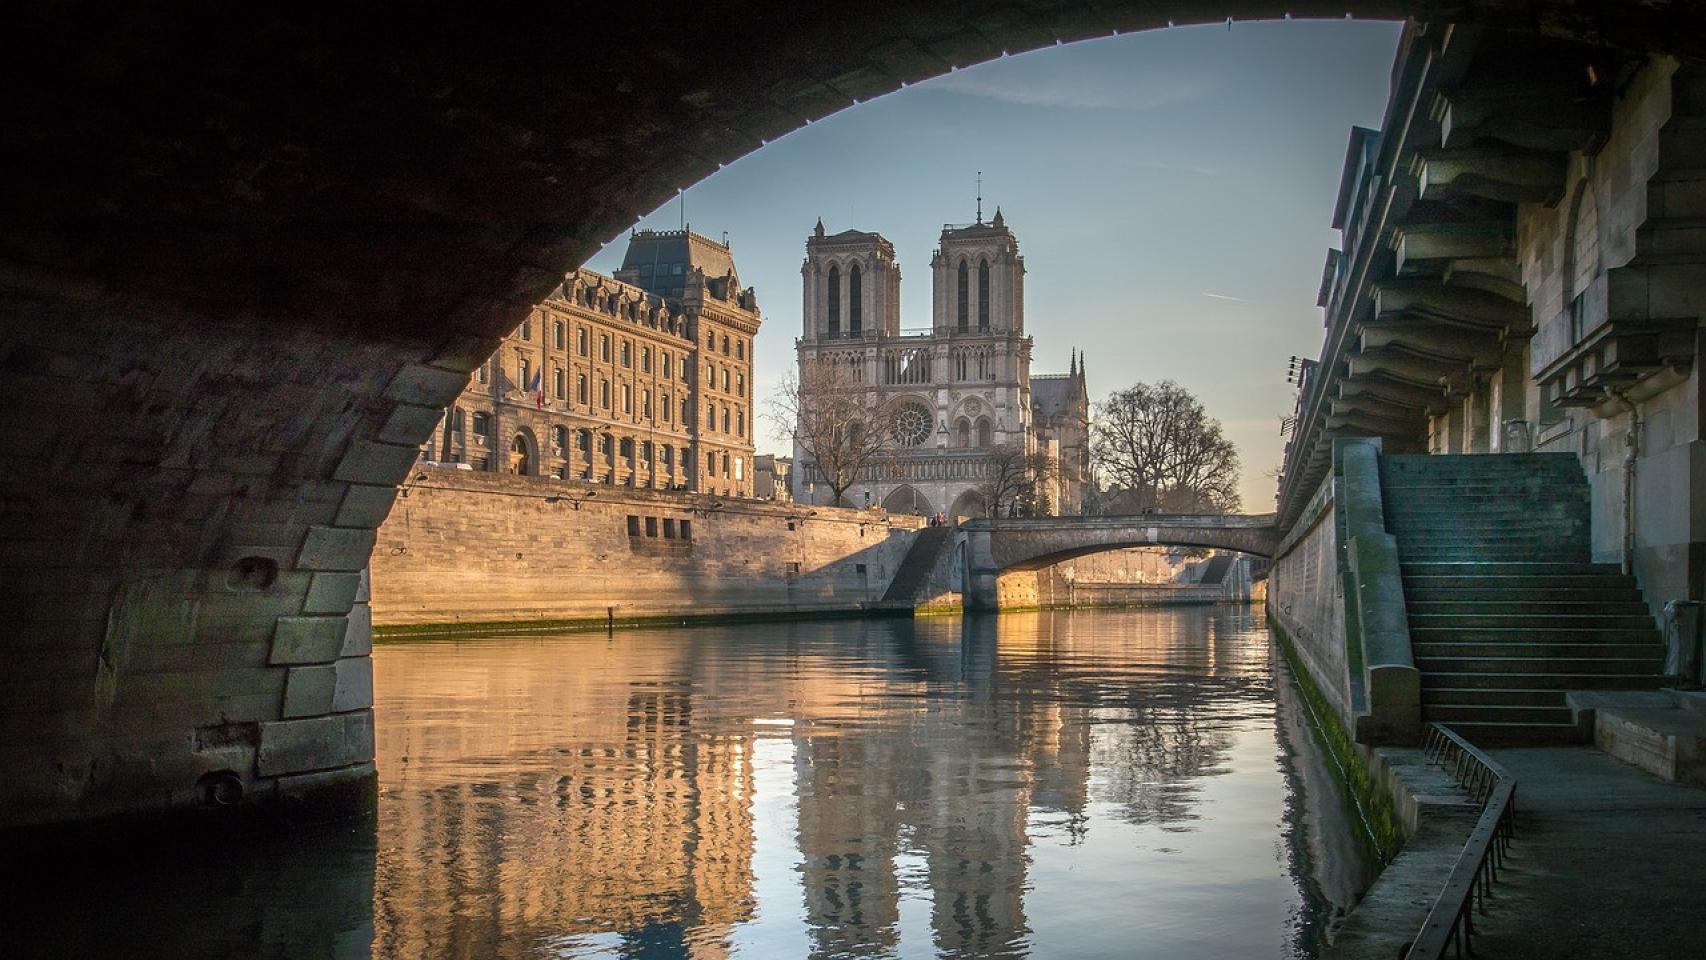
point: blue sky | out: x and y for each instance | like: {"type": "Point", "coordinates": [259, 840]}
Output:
{"type": "Point", "coordinates": [1171, 192]}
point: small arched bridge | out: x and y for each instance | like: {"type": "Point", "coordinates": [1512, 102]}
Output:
{"type": "Point", "coordinates": [993, 547]}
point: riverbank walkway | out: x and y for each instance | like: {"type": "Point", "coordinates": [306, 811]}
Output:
{"type": "Point", "coordinates": [1606, 863]}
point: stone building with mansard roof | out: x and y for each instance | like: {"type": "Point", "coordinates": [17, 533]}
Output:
{"type": "Point", "coordinates": [641, 379]}
{"type": "Point", "coordinates": [958, 388]}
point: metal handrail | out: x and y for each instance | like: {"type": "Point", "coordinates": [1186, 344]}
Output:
{"type": "Point", "coordinates": [1450, 922]}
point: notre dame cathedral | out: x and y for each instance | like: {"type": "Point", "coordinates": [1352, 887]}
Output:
{"type": "Point", "coordinates": [958, 389]}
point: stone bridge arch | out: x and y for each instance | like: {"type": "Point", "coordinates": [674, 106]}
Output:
{"type": "Point", "coordinates": [993, 547]}
{"type": "Point", "coordinates": [245, 262]}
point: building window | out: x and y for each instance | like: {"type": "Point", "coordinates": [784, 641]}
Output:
{"type": "Point", "coordinates": [645, 269]}
{"type": "Point", "coordinates": [651, 526]}
{"type": "Point", "coordinates": [684, 417]}
{"type": "Point", "coordinates": [740, 384]}
{"type": "Point", "coordinates": [725, 345]}
{"type": "Point", "coordinates": [963, 314]}
{"type": "Point", "coordinates": [740, 468]}
{"type": "Point", "coordinates": [663, 404]}
{"type": "Point", "coordinates": [725, 379]}
{"type": "Point", "coordinates": [855, 302]}
{"type": "Point", "coordinates": [725, 466]}
{"type": "Point", "coordinates": [627, 451]}
{"type": "Point", "coordinates": [580, 388]}
{"type": "Point", "coordinates": [605, 446]}
{"type": "Point", "coordinates": [740, 423]}
{"type": "Point", "coordinates": [527, 329]}
{"type": "Point", "coordinates": [710, 464]}
{"type": "Point", "coordinates": [740, 349]}
{"type": "Point", "coordinates": [710, 417]}
{"type": "Point", "coordinates": [667, 456]}
{"type": "Point", "coordinates": [581, 340]}
{"type": "Point", "coordinates": [645, 359]}
{"type": "Point", "coordinates": [480, 373]}
{"type": "Point", "coordinates": [834, 301]}
{"type": "Point", "coordinates": [686, 529]}
{"type": "Point", "coordinates": [725, 419]}
{"type": "Point", "coordinates": [627, 354]}
{"type": "Point", "coordinates": [666, 363]}
{"type": "Point", "coordinates": [560, 379]}
{"type": "Point", "coordinates": [675, 268]}
{"type": "Point", "coordinates": [633, 525]}
{"type": "Point", "coordinates": [646, 404]}
{"type": "Point", "coordinates": [559, 440]}
{"type": "Point", "coordinates": [583, 440]}
{"type": "Point", "coordinates": [983, 295]}
{"type": "Point", "coordinates": [525, 382]}
{"type": "Point", "coordinates": [604, 394]}
{"type": "Point", "coordinates": [627, 399]}
{"type": "Point", "coordinates": [669, 528]}
{"type": "Point", "coordinates": [710, 377]}
{"type": "Point", "coordinates": [558, 336]}
{"type": "Point", "coordinates": [482, 428]}
{"type": "Point", "coordinates": [604, 347]}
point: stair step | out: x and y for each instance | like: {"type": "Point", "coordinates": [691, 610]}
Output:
{"type": "Point", "coordinates": [1536, 622]}
{"type": "Point", "coordinates": [1495, 734]}
{"type": "Point", "coordinates": [1492, 696]}
{"type": "Point", "coordinates": [1538, 681]}
{"type": "Point", "coordinates": [1434, 650]}
{"type": "Point", "coordinates": [1495, 713]}
{"type": "Point", "coordinates": [1537, 590]}
{"type": "Point", "coordinates": [1565, 604]}
{"type": "Point", "coordinates": [1555, 666]}
{"type": "Point", "coordinates": [1648, 635]}
{"type": "Point", "coordinates": [1512, 569]}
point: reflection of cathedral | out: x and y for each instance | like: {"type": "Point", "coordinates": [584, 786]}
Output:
{"type": "Point", "coordinates": [957, 389]}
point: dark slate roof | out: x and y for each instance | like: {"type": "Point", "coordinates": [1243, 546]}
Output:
{"type": "Point", "coordinates": [1053, 395]}
{"type": "Point", "coordinates": [663, 247]}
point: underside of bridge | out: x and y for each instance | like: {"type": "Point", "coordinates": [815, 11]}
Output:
{"type": "Point", "coordinates": [992, 548]}
{"type": "Point", "coordinates": [247, 254]}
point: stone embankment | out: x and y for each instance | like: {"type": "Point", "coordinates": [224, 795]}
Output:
{"type": "Point", "coordinates": [475, 551]}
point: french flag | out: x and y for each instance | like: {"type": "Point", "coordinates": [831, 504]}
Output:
{"type": "Point", "coordinates": [537, 388]}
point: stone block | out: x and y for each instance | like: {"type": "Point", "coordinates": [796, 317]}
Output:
{"type": "Point", "coordinates": [336, 548]}
{"type": "Point", "coordinates": [309, 691]}
{"type": "Point", "coordinates": [433, 386]}
{"type": "Point", "coordinates": [409, 424]}
{"type": "Point", "coordinates": [354, 687]}
{"type": "Point", "coordinates": [366, 506]}
{"type": "Point", "coordinates": [369, 461]}
{"type": "Point", "coordinates": [332, 593]}
{"type": "Point", "coordinates": [358, 636]}
{"type": "Point", "coordinates": [317, 743]}
{"type": "Point", "coordinates": [308, 639]}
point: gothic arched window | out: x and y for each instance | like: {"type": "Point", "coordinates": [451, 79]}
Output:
{"type": "Point", "coordinates": [983, 295]}
{"type": "Point", "coordinates": [855, 302]}
{"type": "Point", "coordinates": [964, 315]}
{"type": "Point", "coordinates": [985, 432]}
{"type": "Point", "coordinates": [834, 301]}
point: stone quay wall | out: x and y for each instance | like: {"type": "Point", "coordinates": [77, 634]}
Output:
{"type": "Point", "coordinates": [1306, 600]}
{"type": "Point", "coordinates": [462, 549]}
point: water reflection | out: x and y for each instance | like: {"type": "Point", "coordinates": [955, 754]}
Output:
{"type": "Point", "coordinates": [1039, 785]}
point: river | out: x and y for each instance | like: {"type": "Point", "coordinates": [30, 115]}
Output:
{"type": "Point", "coordinates": [1073, 784]}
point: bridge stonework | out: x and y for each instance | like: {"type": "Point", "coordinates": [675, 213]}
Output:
{"type": "Point", "coordinates": [992, 547]}
{"type": "Point", "coordinates": [236, 289]}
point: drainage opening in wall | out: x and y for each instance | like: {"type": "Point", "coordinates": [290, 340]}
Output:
{"type": "Point", "coordinates": [252, 573]}
{"type": "Point", "coordinates": [219, 788]}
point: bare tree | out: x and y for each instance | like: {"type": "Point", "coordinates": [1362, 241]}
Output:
{"type": "Point", "coordinates": [1019, 480]}
{"type": "Point", "coordinates": [841, 429]}
{"type": "Point", "coordinates": [1159, 449]}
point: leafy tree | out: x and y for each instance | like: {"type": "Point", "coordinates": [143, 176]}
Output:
{"type": "Point", "coordinates": [841, 429]}
{"type": "Point", "coordinates": [1159, 449]}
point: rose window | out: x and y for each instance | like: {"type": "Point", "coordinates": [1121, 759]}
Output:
{"type": "Point", "coordinates": [911, 425]}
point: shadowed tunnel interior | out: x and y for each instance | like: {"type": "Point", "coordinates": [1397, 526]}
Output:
{"type": "Point", "coordinates": [246, 256]}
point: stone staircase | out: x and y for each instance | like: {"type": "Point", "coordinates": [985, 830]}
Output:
{"type": "Point", "coordinates": [1507, 612]}
{"type": "Point", "coordinates": [914, 573]}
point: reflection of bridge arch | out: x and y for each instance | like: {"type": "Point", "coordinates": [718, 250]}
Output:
{"type": "Point", "coordinates": [992, 547]}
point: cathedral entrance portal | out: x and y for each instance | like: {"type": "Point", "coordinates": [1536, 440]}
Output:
{"type": "Point", "coordinates": [906, 499]}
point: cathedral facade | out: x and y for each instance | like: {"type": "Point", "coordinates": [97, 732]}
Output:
{"type": "Point", "coordinates": [958, 392]}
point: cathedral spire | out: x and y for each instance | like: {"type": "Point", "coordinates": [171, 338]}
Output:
{"type": "Point", "coordinates": [818, 230]}
{"type": "Point", "coordinates": [1073, 369]}
{"type": "Point", "coordinates": [980, 196]}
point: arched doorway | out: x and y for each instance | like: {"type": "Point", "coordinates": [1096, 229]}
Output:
{"type": "Point", "coordinates": [521, 456]}
{"type": "Point", "coordinates": [970, 503]}
{"type": "Point", "coordinates": [906, 499]}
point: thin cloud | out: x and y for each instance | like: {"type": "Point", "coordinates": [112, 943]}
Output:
{"type": "Point", "coordinates": [1222, 296]}
{"type": "Point", "coordinates": [1059, 91]}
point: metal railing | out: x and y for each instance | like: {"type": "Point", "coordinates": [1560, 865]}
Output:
{"type": "Point", "coordinates": [1450, 923]}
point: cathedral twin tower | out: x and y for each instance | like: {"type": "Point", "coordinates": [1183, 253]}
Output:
{"type": "Point", "coordinates": [960, 389]}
